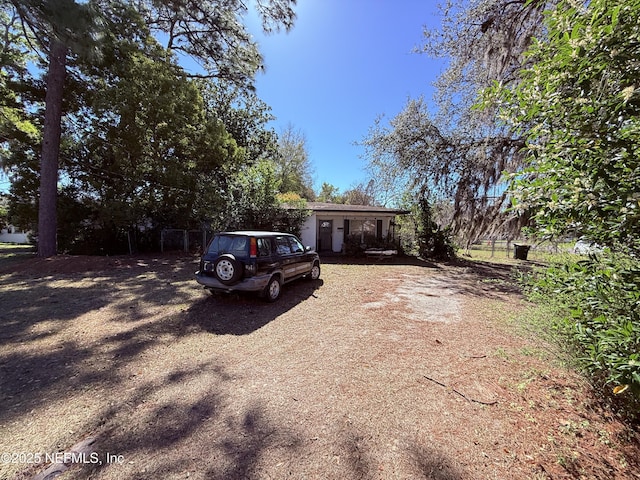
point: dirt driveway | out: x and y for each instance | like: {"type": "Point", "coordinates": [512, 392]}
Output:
{"type": "Point", "coordinates": [374, 372]}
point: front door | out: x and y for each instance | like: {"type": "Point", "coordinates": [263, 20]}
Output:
{"type": "Point", "coordinates": [325, 235]}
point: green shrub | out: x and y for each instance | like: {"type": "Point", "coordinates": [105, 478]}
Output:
{"type": "Point", "coordinates": [433, 241]}
{"type": "Point", "coordinates": [355, 245]}
{"type": "Point", "coordinates": [600, 300]}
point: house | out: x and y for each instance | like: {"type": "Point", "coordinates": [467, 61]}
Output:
{"type": "Point", "coordinates": [11, 234]}
{"type": "Point", "coordinates": [330, 224]}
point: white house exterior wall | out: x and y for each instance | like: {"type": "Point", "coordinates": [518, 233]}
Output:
{"type": "Point", "coordinates": [309, 232]}
{"type": "Point", "coordinates": [13, 237]}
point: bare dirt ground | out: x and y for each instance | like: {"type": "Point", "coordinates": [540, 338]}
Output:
{"type": "Point", "coordinates": [383, 371]}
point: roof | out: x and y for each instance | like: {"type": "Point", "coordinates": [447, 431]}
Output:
{"type": "Point", "coordinates": [340, 207]}
{"type": "Point", "coordinates": [254, 233]}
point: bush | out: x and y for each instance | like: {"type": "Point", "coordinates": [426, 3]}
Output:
{"type": "Point", "coordinates": [356, 244]}
{"type": "Point", "coordinates": [433, 241]}
{"type": "Point", "coordinates": [600, 299]}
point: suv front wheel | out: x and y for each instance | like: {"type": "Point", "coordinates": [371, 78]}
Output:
{"type": "Point", "coordinates": [227, 269]}
{"type": "Point", "coordinates": [315, 272]}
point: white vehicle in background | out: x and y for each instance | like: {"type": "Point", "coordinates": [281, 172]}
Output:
{"type": "Point", "coordinates": [584, 246]}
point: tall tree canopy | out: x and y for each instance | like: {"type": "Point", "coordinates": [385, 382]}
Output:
{"type": "Point", "coordinates": [211, 32]}
{"type": "Point", "coordinates": [153, 152]}
{"type": "Point", "coordinates": [244, 116]}
{"type": "Point", "coordinates": [579, 106]}
{"type": "Point", "coordinates": [413, 152]}
{"type": "Point", "coordinates": [141, 150]}
{"type": "Point", "coordinates": [57, 26]}
{"type": "Point", "coordinates": [360, 194]}
{"type": "Point", "coordinates": [482, 42]}
{"type": "Point", "coordinates": [292, 164]}
{"type": "Point", "coordinates": [454, 151]}
{"type": "Point", "coordinates": [329, 193]}
{"type": "Point", "coordinates": [14, 120]}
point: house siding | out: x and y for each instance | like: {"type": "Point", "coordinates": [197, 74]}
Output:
{"type": "Point", "coordinates": [309, 232]}
{"type": "Point", "coordinates": [11, 235]}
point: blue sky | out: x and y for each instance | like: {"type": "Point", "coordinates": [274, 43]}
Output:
{"type": "Point", "coordinates": [345, 63]}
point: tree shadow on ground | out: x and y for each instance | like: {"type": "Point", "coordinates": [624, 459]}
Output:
{"type": "Point", "coordinates": [155, 432]}
{"type": "Point", "coordinates": [41, 357]}
{"type": "Point", "coordinates": [37, 362]}
{"type": "Point", "coordinates": [485, 279]}
{"type": "Point", "coordinates": [29, 304]}
{"type": "Point", "coordinates": [38, 308]}
{"type": "Point", "coordinates": [26, 379]}
{"type": "Point", "coordinates": [434, 464]}
{"type": "Point", "coordinates": [339, 259]}
{"type": "Point", "coordinates": [357, 450]}
{"type": "Point", "coordinates": [244, 313]}
{"type": "Point", "coordinates": [165, 426]}
{"type": "Point", "coordinates": [473, 278]}
{"type": "Point", "coordinates": [12, 255]}
{"type": "Point", "coordinates": [39, 290]}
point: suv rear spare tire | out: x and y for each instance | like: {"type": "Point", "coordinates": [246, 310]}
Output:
{"type": "Point", "coordinates": [227, 269]}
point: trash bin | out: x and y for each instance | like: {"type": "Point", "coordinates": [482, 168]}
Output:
{"type": "Point", "coordinates": [520, 251]}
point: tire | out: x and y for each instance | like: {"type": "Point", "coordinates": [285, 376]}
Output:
{"type": "Point", "coordinates": [314, 274]}
{"type": "Point", "coordinates": [273, 289]}
{"type": "Point", "coordinates": [227, 269]}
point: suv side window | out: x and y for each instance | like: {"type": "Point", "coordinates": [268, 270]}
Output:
{"type": "Point", "coordinates": [264, 247]}
{"type": "Point", "coordinates": [296, 246]}
{"type": "Point", "coordinates": [282, 246]}
{"type": "Point", "coordinates": [239, 246]}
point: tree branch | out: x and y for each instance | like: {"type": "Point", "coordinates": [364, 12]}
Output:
{"type": "Point", "coordinates": [469, 399]}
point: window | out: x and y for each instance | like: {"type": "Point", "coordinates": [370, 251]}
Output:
{"type": "Point", "coordinates": [296, 246]}
{"type": "Point", "coordinates": [264, 247]}
{"type": "Point", "coordinates": [229, 244]}
{"type": "Point", "coordinates": [282, 246]}
{"type": "Point", "coordinates": [367, 227]}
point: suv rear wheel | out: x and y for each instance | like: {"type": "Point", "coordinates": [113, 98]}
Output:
{"type": "Point", "coordinates": [227, 269]}
{"type": "Point", "coordinates": [272, 291]}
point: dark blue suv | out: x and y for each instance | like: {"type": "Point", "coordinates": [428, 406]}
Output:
{"type": "Point", "coordinates": [256, 262]}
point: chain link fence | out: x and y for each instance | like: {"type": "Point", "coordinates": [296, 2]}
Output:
{"type": "Point", "coordinates": [188, 241]}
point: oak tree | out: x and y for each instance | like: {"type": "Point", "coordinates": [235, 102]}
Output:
{"type": "Point", "coordinates": [578, 105]}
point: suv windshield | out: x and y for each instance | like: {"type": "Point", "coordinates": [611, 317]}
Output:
{"type": "Point", "coordinates": [237, 245]}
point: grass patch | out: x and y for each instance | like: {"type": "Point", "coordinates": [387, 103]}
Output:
{"type": "Point", "coordinates": [544, 252]}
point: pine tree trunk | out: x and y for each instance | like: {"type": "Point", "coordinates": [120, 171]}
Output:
{"type": "Point", "coordinates": [47, 216]}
